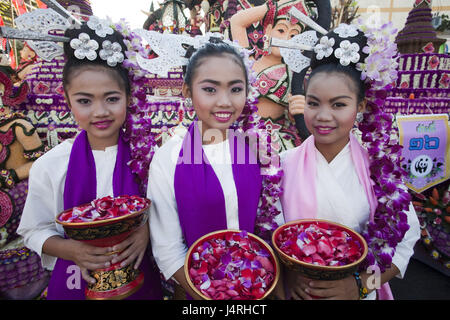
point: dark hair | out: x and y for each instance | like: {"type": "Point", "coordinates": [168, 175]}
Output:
{"type": "Point", "coordinates": [331, 64]}
{"type": "Point", "coordinates": [216, 49]}
{"type": "Point", "coordinates": [73, 63]}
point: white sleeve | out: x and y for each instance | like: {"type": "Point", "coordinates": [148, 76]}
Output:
{"type": "Point", "coordinates": [169, 248]}
{"type": "Point", "coordinates": [405, 249]}
{"type": "Point", "coordinates": [37, 223]}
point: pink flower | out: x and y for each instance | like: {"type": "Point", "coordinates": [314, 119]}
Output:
{"type": "Point", "coordinates": [428, 48]}
{"type": "Point", "coordinates": [231, 266]}
{"type": "Point", "coordinates": [445, 80]}
{"type": "Point", "coordinates": [319, 243]}
{"type": "Point", "coordinates": [433, 63]}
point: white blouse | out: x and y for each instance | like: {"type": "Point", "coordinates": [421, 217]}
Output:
{"type": "Point", "coordinates": [45, 198]}
{"type": "Point", "coordinates": [341, 198]}
{"type": "Point", "coordinates": [169, 248]}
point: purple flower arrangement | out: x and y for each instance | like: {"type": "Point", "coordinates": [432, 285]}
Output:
{"type": "Point", "coordinates": [390, 221]}
{"type": "Point", "coordinates": [137, 129]}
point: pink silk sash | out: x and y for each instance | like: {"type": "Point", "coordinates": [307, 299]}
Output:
{"type": "Point", "coordinates": [299, 184]}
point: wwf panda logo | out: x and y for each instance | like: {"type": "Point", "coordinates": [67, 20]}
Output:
{"type": "Point", "coordinates": [421, 166]}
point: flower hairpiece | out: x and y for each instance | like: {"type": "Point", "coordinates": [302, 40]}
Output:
{"type": "Point", "coordinates": [347, 52]}
{"type": "Point", "coordinates": [345, 30]}
{"type": "Point", "coordinates": [111, 53]}
{"type": "Point", "coordinates": [324, 48]}
{"type": "Point", "coordinates": [100, 26]}
{"type": "Point", "coordinates": [84, 47]}
{"type": "Point", "coordinates": [380, 66]}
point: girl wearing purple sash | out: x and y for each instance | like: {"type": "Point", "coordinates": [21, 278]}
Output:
{"type": "Point", "coordinates": [93, 165]}
{"type": "Point", "coordinates": [209, 178]}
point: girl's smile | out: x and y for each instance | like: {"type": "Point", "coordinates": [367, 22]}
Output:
{"type": "Point", "coordinates": [324, 130]}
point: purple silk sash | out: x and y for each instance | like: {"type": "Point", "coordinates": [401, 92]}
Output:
{"type": "Point", "coordinates": [81, 187]}
{"type": "Point", "coordinates": [199, 196]}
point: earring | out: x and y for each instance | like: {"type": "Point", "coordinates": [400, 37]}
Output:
{"type": "Point", "coordinates": [188, 103]}
{"type": "Point", "coordinates": [266, 46]}
{"type": "Point", "coordinates": [359, 117]}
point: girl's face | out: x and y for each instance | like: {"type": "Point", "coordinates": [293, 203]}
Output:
{"type": "Point", "coordinates": [284, 30]}
{"type": "Point", "coordinates": [330, 112]}
{"type": "Point", "coordinates": [99, 105]}
{"type": "Point", "coordinates": [218, 92]}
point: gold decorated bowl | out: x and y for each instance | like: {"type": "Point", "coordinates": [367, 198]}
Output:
{"type": "Point", "coordinates": [320, 272]}
{"type": "Point", "coordinates": [220, 235]}
{"type": "Point", "coordinates": [114, 282]}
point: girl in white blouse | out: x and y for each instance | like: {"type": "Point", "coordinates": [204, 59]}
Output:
{"type": "Point", "coordinates": [196, 183]}
{"type": "Point", "coordinates": [77, 171]}
{"type": "Point", "coordinates": [331, 176]}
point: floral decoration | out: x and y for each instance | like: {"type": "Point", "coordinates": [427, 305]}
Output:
{"type": "Point", "coordinates": [104, 208]}
{"type": "Point", "coordinates": [433, 62]}
{"type": "Point", "coordinates": [111, 53]}
{"type": "Point", "coordinates": [319, 243]}
{"type": "Point", "coordinates": [347, 52]}
{"type": "Point", "coordinates": [84, 47]}
{"type": "Point", "coordinates": [100, 26]}
{"type": "Point", "coordinates": [345, 30]}
{"type": "Point", "coordinates": [433, 210]}
{"type": "Point", "coordinates": [380, 66]}
{"type": "Point", "coordinates": [445, 80]}
{"type": "Point", "coordinates": [324, 48]}
{"type": "Point", "coordinates": [378, 71]}
{"type": "Point", "coordinates": [138, 131]}
{"type": "Point", "coordinates": [231, 266]}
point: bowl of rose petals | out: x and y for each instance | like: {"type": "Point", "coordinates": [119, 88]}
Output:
{"type": "Point", "coordinates": [231, 265]}
{"type": "Point", "coordinates": [319, 249]}
{"type": "Point", "coordinates": [105, 222]}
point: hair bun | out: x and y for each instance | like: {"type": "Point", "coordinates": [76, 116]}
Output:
{"type": "Point", "coordinates": [344, 45]}
{"type": "Point", "coordinates": [95, 41]}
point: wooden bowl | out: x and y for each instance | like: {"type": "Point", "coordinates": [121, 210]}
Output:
{"type": "Point", "coordinates": [220, 234]}
{"type": "Point", "coordinates": [319, 272]}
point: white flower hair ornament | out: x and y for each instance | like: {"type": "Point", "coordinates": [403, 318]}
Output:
{"type": "Point", "coordinates": [111, 53]}
{"type": "Point", "coordinates": [84, 47]}
{"type": "Point", "coordinates": [101, 27]}
{"type": "Point", "coordinates": [324, 48]}
{"type": "Point", "coordinates": [375, 59]}
{"type": "Point", "coordinates": [345, 30]}
{"type": "Point", "coordinates": [347, 52]}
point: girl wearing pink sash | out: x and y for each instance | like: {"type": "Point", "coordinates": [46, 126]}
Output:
{"type": "Point", "coordinates": [333, 176]}
{"type": "Point", "coordinates": [93, 165]}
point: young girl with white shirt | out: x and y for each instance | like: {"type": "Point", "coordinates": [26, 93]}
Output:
{"type": "Point", "coordinates": [199, 181]}
{"type": "Point", "coordinates": [92, 165]}
{"type": "Point", "coordinates": [332, 176]}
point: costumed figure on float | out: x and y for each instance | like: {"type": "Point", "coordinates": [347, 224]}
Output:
{"type": "Point", "coordinates": [274, 73]}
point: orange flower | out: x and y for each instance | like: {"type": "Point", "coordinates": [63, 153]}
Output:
{"type": "Point", "coordinates": [433, 201]}
{"type": "Point", "coordinates": [435, 194]}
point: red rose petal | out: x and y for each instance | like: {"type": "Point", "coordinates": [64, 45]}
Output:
{"type": "Point", "coordinates": [318, 243]}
